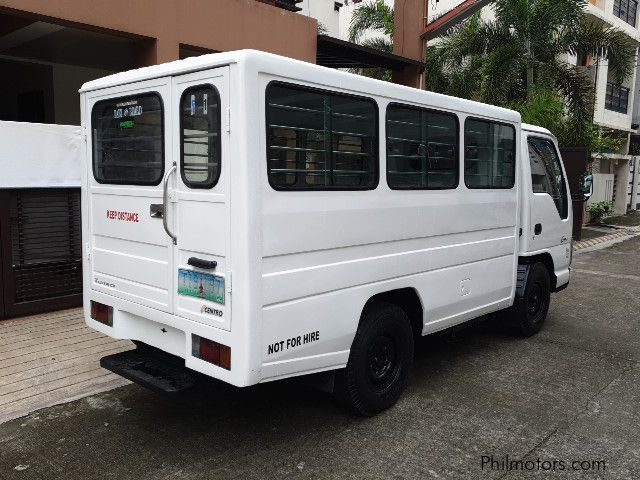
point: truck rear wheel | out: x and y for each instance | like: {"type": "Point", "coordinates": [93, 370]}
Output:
{"type": "Point", "coordinates": [379, 362]}
{"type": "Point", "coordinates": [530, 311]}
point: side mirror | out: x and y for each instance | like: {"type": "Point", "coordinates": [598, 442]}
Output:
{"type": "Point", "coordinates": [586, 184]}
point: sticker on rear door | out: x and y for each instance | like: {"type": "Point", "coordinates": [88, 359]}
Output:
{"type": "Point", "coordinates": [201, 285]}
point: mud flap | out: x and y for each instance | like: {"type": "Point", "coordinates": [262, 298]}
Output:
{"type": "Point", "coordinates": [521, 283]}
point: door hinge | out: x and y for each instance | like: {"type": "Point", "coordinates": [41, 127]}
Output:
{"type": "Point", "coordinates": [228, 282]}
{"type": "Point", "coordinates": [87, 250]}
{"type": "Point", "coordinates": [228, 120]}
{"type": "Point", "coordinates": [83, 133]}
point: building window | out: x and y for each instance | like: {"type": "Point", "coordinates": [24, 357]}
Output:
{"type": "Point", "coordinates": [422, 148]}
{"type": "Point", "coordinates": [489, 154]}
{"type": "Point", "coordinates": [200, 136]}
{"type": "Point", "coordinates": [617, 98]}
{"type": "Point", "coordinates": [319, 140]}
{"type": "Point", "coordinates": [626, 10]}
{"type": "Point", "coordinates": [128, 140]}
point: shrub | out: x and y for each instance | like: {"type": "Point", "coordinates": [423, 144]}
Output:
{"type": "Point", "coordinates": [600, 210]}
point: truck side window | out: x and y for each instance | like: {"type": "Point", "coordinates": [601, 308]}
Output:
{"type": "Point", "coordinates": [489, 154]}
{"type": "Point", "coordinates": [200, 136]}
{"type": "Point", "coordinates": [319, 140]}
{"type": "Point", "coordinates": [546, 173]}
{"type": "Point", "coordinates": [422, 148]}
{"type": "Point", "coordinates": [128, 140]}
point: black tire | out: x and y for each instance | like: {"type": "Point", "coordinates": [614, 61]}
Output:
{"type": "Point", "coordinates": [530, 311]}
{"type": "Point", "coordinates": [379, 362]}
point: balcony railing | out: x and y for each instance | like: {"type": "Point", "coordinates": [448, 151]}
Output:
{"type": "Point", "coordinates": [626, 10]}
{"type": "Point", "coordinates": [288, 4]}
{"type": "Point", "coordinates": [617, 99]}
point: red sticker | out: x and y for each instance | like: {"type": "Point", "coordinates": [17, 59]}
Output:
{"type": "Point", "coordinates": [124, 216]}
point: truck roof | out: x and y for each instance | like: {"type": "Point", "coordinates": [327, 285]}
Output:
{"type": "Point", "coordinates": [269, 62]}
{"type": "Point", "coordinates": [536, 129]}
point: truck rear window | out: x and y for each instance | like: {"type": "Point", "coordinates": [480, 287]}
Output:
{"type": "Point", "coordinates": [128, 140]}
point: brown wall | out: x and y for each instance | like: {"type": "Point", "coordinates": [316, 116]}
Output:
{"type": "Point", "coordinates": [219, 25]}
{"type": "Point", "coordinates": [409, 23]}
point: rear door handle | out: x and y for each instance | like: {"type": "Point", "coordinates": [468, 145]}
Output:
{"type": "Point", "coordinates": [156, 210]}
{"type": "Point", "coordinates": [537, 229]}
{"type": "Point", "coordinates": [200, 263]}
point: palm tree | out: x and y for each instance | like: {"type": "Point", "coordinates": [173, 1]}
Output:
{"type": "Point", "coordinates": [523, 53]}
{"type": "Point", "coordinates": [373, 16]}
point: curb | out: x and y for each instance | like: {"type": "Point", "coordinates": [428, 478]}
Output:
{"type": "Point", "coordinates": [603, 239]}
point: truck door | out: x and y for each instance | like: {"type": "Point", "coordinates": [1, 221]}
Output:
{"type": "Point", "coordinates": [130, 147]}
{"type": "Point", "coordinates": [200, 202]}
{"type": "Point", "coordinates": [551, 223]}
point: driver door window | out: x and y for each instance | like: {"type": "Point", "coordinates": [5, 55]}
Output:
{"type": "Point", "coordinates": [546, 173]}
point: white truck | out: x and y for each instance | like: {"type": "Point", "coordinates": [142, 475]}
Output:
{"type": "Point", "coordinates": [252, 217]}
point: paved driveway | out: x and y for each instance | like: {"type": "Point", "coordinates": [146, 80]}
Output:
{"type": "Point", "coordinates": [570, 394]}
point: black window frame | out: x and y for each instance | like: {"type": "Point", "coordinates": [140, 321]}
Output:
{"type": "Point", "coordinates": [375, 141]}
{"type": "Point", "coordinates": [214, 181]}
{"type": "Point", "coordinates": [427, 110]}
{"type": "Point", "coordinates": [565, 194]}
{"type": "Point", "coordinates": [613, 92]}
{"type": "Point", "coordinates": [515, 150]}
{"type": "Point", "coordinates": [624, 13]}
{"type": "Point", "coordinates": [153, 93]}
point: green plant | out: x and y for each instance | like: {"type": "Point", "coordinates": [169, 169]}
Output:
{"type": "Point", "coordinates": [600, 210]}
{"type": "Point", "coordinates": [373, 16]}
{"type": "Point", "coordinates": [516, 60]}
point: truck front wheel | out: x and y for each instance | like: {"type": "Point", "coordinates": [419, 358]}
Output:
{"type": "Point", "coordinates": [379, 362]}
{"type": "Point", "coordinates": [530, 310]}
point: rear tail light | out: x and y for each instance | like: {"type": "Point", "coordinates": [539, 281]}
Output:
{"type": "Point", "coordinates": [102, 313]}
{"type": "Point", "coordinates": [210, 351]}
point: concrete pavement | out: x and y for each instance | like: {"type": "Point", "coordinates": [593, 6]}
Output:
{"type": "Point", "coordinates": [570, 394]}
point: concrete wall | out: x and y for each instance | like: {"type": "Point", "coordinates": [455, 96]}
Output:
{"type": "Point", "coordinates": [214, 24]}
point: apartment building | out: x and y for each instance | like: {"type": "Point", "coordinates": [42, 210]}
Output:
{"type": "Point", "coordinates": [334, 19]}
{"type": "Point", "coordinates": [615, 173]}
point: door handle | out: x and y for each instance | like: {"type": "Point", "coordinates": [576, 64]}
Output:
{"type": "Point", "coordinates": [200, 263]}
{"type": "Point", "coordinates": [165, 195]}
{"type": "Point", "coordinates": [156, 210]}
{"type": "Point", "coordinates": [537, 229]}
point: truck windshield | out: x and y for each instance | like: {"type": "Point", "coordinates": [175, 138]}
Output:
{"type": "Point", "coordinates": [128, 140]}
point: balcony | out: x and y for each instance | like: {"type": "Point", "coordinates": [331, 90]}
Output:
{"type": "Point", "coordinates": [617, 99]}
{"type": "Point", "coordinates": [286, 4]}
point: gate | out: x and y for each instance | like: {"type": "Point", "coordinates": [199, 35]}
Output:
{"type": "Point", "coordinates": [575, 163]}
{"type": "Point", "coordinates": [40, 250]}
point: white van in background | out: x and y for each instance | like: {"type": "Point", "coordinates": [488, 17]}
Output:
{"type": "Point", "coordinates": [251, 217]}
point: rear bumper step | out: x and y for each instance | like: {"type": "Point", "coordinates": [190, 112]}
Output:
{"type": "Point", "coordinates": [153, 369]}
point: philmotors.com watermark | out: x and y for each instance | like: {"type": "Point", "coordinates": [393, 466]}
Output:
{"type": "Point", "coordinates": [506, 463]}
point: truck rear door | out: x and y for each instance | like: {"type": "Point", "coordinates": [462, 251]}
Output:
{"type": "Point", "coordinates": [200, 203]}
{"type": "Point", "coordinates": [131, 254]}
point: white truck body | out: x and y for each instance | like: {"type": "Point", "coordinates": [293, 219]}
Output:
{"type": "Point", "coordinates": [296, 265]}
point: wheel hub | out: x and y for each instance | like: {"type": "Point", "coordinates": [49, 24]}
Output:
{"type": "Point", "coordinates": [382, 359]}
{"type": "Point", "coordinates": [535, 301]}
